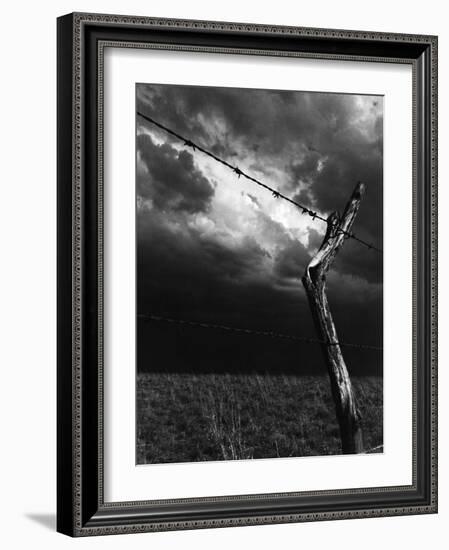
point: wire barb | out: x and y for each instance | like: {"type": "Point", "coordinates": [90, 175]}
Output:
{"type": "Point", "coordinates": [189, 143]}
{"type": "Point", "coordinates": [276, 194]}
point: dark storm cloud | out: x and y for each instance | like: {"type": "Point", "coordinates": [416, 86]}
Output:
{"type": "Point", "coordinates": [353, 259]}
{"type": "Point", "coordinates": [172, 180]}
{"type": "Point", "coordinates": [332, 185]}
{"type": "Point", "coordinates": [306, 170]}
{"type": "Point", "coordinates": [292, 260]}
{"type": "Point", "coordinates": [311, 147]}
{"type": "Point", "coordinates": [230, 120]}
{"type": "Point", "coordinates": [310, 136]}
{"type": "Point", "coordinates": [182, 275]}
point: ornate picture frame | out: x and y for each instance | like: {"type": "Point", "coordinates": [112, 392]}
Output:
{"type": "Point", "coordinates": [82, 509]}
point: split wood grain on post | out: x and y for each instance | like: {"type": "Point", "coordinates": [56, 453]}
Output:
{"type": "Point", "coordinates": [314, 281]}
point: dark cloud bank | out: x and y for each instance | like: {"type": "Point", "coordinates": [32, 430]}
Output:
{"type": "Point", "coordinates": [187, 272]}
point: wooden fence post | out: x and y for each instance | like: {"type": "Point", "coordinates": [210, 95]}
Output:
{"type": "Point", "coordinates": [314, 281]}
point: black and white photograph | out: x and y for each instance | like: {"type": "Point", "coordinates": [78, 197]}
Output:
{"type": "Point", "coordinates": [259, 273]}
{"type": "Point", "coordinates": [246, 283]}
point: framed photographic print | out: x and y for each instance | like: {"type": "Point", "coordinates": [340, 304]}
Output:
{"type": "Point", "coordinates": [246, 274]}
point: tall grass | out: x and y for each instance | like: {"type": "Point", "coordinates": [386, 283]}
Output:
{"type": "Point", "coordinates": [193, 417]}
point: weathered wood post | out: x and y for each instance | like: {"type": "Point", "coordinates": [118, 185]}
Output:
{"type": "Point", "coordinates": [314, 281]}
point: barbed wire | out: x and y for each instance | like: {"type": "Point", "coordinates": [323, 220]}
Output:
{"type": "Point", "coordinates": [276, 194]}
{"type": "Point", "coordinates": [269, 333]}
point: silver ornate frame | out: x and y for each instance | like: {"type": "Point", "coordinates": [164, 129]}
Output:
{"type": "Point", "coordinates": [81, 508]}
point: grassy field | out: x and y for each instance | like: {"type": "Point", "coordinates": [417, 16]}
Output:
{"type": "Point", "coordinates": [194, 417]}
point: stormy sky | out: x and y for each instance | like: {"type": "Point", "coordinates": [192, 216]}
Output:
{"type": "Point", "coordinates": [215, 248]}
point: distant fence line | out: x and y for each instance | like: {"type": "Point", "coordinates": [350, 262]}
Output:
{"type": "Point", "coordinates": [267, 333]}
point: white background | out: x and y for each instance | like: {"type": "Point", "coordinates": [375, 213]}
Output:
{"type": "Point", "coordinates": [28, 285]}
